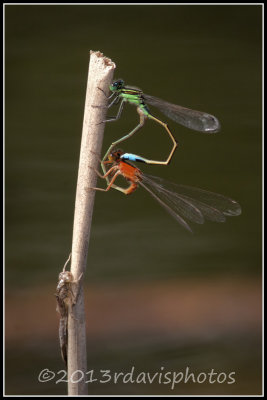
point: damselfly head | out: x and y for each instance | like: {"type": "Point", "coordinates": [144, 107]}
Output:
{"type": "Point", "coordinates": [114, 157]}
{"type": "Point", "coordinates": [117, 85]}
{"type": "Point", "coordinates": [66, 277]}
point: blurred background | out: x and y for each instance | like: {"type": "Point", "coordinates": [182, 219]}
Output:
{"type": "Point", "coordinates": [157, 297]}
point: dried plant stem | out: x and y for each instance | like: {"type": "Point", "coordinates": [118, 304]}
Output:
{"type": "Point", "coordinates": [100, 75]}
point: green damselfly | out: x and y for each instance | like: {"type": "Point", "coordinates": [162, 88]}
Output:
{"type": "Point", "coordinates": [196, 120]}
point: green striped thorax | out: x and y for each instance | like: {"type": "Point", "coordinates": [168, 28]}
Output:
{"type": "Point", "coordinates": [132, 95]}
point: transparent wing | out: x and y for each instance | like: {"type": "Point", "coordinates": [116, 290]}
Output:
{"type": "Point", "coordinates": [193, 204]}
{"type": "Point", "coordinates": [192, 119]}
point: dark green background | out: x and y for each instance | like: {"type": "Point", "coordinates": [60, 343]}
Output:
{"type": "Point", "coordinates": [202, 57]}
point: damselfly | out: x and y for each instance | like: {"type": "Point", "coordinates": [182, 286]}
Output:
{"type": "Point", "coordinates": [66, 298]}
{"type": "Point", "coordinates": [182, 202]}
{"type": "Point", "coordinates": [196, 120]}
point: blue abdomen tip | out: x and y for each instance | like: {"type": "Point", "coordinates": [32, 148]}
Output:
{"type": "Point", "coordinates": [131, 157]}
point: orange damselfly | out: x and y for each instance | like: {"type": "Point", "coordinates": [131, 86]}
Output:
{"type": "Point", "coordinates": [182, 202]}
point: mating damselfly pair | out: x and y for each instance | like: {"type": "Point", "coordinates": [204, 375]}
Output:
{"type": "Point", "coordinates": [182, 202]}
